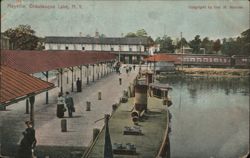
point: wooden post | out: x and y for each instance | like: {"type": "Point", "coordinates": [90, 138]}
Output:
{"type": "Point", "coordinates": [93, 73]}
{"type": "Point", "coordinates": [47, 92]}
{"type": "Point", "coordinates": [67, 77]}
{"type": "Point", "coordinates": [87, 74]}
{"type": "Point", "coordinates": [32, 111]}
{"type": "Point", "coordinates": [64, 125]}
{"type": "Point", "coordinates": [98, 71]}
{"type": "Point", "coordinates": [27, 106]}
{"type": "Point", "coordinates": [61, 72]}
{"type": "Point", "coordinates": [102, 70]}
{"type": "Point", "coordinates": [72, 82]}
{"type": "Point", "coordinates": [81, 74]}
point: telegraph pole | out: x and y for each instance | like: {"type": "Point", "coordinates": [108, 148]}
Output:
{"type": "Point", "coordinates": [140, 61]}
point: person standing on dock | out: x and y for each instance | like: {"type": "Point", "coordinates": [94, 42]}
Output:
{"type": "Point", "coordinates": [78, 85]}
{"type": "Point", "coordinates": [60, 106]}
{"type": "Point", "coordinates": [70, 104]}
{"type": "Point", "coordinates": [28, 143]}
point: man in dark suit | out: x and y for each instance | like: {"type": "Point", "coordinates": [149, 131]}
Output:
{"type": "Point", "coordinates": [70, 104]}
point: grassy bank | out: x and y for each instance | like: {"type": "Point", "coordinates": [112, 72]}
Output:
{"type": "Point", "coordinates": [216, 72]}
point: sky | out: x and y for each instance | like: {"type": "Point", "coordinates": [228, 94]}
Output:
{"type": "Point", "coordinates": [214, 19]}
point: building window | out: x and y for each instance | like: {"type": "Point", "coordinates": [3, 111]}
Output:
{"type": "Point", "coordinates": [112, 49]}
{"type": "Point", "coordinates": [83, 48]}
{"type": "Point", "coordinates": [138, 48]}
{"type": "Point", "coordinates": [130, 49]}
{"type": "Point", "coordinates": [66, 48]}
{"type": "Point", "coordinates": [50, 46]}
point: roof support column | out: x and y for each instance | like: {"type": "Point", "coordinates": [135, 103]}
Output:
{"type": "Point", "coordinates": [102, 69]}
{"type": "Point", "coordinates": [80, 67]}
{"type": "Point", "coordinates": [67, 77]}
{"type": "Point", "coordinates": [74, 72]}
{"type": "Point", "coordinates": [61, 74]}
{"type": "Point", "coordinates": [106, 70]}
{"type": "Point", "coordinates": [32, 110]}
{"type": "Point", "coordinates": [72, 78]}
{"type": "Point", "coordinates": [27, 106]}
{"type": "Point", "coordinates": [93, 72]}
{"type": "Point", "coordinates": [98, 71]}
{"type": "Point", "coordinates": [110, 67]}
{"type": "Point", "coordinates": [58, 79]}
{"type": "Point", "coordinates": [46, 74]}
{"type": "Point", "coordinates": [47, 92]}
{"type": "Point", "coordinates": [87, 73]}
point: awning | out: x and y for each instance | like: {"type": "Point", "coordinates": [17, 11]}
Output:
{"type": "Point", "coordinates": [16, 85]}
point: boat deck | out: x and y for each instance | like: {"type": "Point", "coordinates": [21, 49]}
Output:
{"type": "Point", "coordinates": [153, 127]}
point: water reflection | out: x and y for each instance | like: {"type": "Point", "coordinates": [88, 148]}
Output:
{"type": "Point", "coordinates": [228, 85]}
{"type": "Point", "coordinates": [210, 117]}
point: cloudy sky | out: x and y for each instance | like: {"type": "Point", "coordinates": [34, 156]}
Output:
{"type": "Point", "coordinates": [213, 18]}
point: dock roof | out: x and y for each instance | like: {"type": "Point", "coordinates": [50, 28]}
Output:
{"type": "Point", "coordinates": [16, 85]}
{"type": "Point", "coordinates": [41, 61]}
{"type": "Point", "coordinates": [163, 57]}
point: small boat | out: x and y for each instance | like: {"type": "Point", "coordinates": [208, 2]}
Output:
{"type": "Point", "coordinates": [139, 127]}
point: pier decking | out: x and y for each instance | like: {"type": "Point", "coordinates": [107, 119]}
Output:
{"type": "Point", "coordinates": [50, 140]}
{"type": "Point", "coordinates": [153, 127]}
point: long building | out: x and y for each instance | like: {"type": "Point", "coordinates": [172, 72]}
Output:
{"type": "Point", "coordinates": [5, 42]}
{"type": "Point", "coordinates": [127, 49]}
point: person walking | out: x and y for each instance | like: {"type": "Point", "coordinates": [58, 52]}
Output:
{"type": "Point", "coordinates": [70, 104]}
{"type": "Point", "coordinates": [28, 142]}
{"type": "Point", "coordinates": [60, 106]}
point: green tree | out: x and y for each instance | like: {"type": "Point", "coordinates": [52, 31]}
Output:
{"type": "Point", "coordinates": [230, 47]}
{"type": "Point", "coordinates": [182, 42]}
{"type": "Point", "coordinates": [217, 46]}
{"type": "Point", "coordinates": [166, 44]}
{"type": "Point", "coordinates": [195, 44]}
{"type": "Point", "coordinates": [208, 45]}
{"type": "Point", "coordinates": [130, 34]}
{"type": "Point", "coordinates": [23, 37]}
{"type": "Point", "coordinates": [245, 36]}
{"type": "Point", "coordinates": [141, 33]}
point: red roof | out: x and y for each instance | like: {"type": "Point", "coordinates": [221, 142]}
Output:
{"type": "Point", "coordinates": [41, 61]}
{"type": "Point", "coordinates": [16, 85]}
{"type": "Point", "coordinates": [163, 57]}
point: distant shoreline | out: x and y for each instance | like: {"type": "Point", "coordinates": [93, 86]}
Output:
{"type": "Point", "coordinates": [214, 72]}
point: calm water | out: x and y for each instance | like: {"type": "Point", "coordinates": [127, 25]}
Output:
{"type": "Point", "coordinates": [210, 117]}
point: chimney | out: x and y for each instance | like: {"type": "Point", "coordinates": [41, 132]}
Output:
{"type": "Point", "coordinates": [97, 34]}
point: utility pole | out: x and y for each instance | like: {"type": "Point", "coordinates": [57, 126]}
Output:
{"type": "Point", "coordinates": [140, 60]}
{"type": "Point", "coordinates": [119, 55]}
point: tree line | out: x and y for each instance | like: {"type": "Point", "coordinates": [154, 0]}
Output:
{"type": "Point", "coordinates": [226, 46]}
{"type": "Point", "coordinates": [23, 37]}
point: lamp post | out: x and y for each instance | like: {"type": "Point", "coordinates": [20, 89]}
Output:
{"type": "Point", "coordinates": [119, 54]}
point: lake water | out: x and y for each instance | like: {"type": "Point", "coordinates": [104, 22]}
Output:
{"type": "Point", "coordinates": [210, 117]}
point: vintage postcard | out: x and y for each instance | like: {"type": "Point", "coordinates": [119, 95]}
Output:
{"type": "Point", "coordinates": [124, 79]}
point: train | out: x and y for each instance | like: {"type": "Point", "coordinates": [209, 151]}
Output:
{"type": "Point", "coordinates": [208, 60]}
